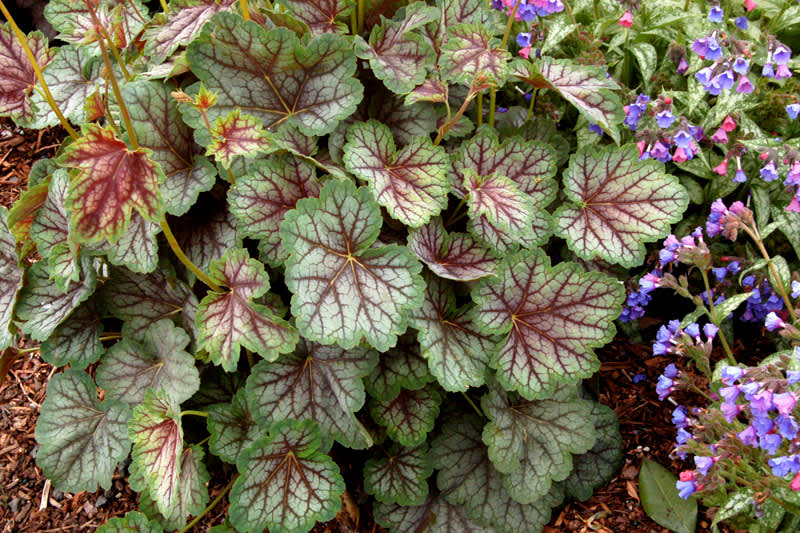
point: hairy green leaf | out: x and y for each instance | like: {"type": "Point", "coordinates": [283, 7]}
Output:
{"type": "Point", "coordinates": [498, 199]}
{"type": "Point", "coordinates": [18, 77]}
{"type": "Point", "coordinates": [398, 368]}
{"type": "Point", "coordinates": [207, 231]}
{"type": "Point", "coordinates": [10, 279]}
{"type": "Point", "coordinates": [455, 256]}
{"type": "Point", "coordinates": [81, 440]}
{"type": "Point", "coordinates": [596, 467]}
{"type": "Point", "coordinates": [410, 415]}
{"type": "Point", "coordinates": [232, 427]}
{"type": "Point", "coordinates": [137, 247]}
{"type": "Point", "coordinates": [400, 478]}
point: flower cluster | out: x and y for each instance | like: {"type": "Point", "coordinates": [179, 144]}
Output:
{"type": "Point", "coordinates": [528, 11]}
{"type": "Point", "coordinates": [762, 301]}
{"type": "Point", "coordinates": [728, 221]}
{"type": "Point", "coordinates": [730, 65]}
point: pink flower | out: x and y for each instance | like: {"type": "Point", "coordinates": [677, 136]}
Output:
{"type": "Point", "coordinates": [722, 168]}
{"type": "Point", "coordinates": [626, 19]}
{"type": "Point", "coordinates": [679, 156]}
{"type": "Point", "coordinates": [524, 52]}
{"type": "Point", "coordinates": [749, 5]}
{"type": "Point", "coordinates": [795, 484]}
{"type": "Point", "coordinates": [720, 136]}
{"type": "Point", "coordinates": [686, 475]}
{"type": "Point", "coordinates": [728, 124]}
{"type": "Point", "coordinates": [794, 205]}
{"type": "Point", "coordinates": [640, 145]}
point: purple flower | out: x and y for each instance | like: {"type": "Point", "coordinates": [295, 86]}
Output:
{"type": "Point", "coordinates": [704, 75]}
{"type": "Point", "coordinates": [720, 273]}
{"type": "Point", "coordinates": [660, 151]}
{"type": "Point", "coordinates": [725, 80]}
{"type": "Point", "coordinates": [685, 488]}
{"type": "Point", "coordinates": [773, 322]}
{"type": "Point", "coordinates": [793, 110]}
{"type": "Point", "coordinates": [524, 39]}
{"type": "Point", "coordinates": [782, 54]}
{"type": "Point", "coordinates": [749, 389]}
{"type": "Point", "coordinates": [683, 66]}
{"type": "Point", "coordinates": [787, 426]}
{"type": "Point", "coordinates": [783, 72]}
{"type": "Point", "coordinates": [715, 14]}
{"type": "Point", "coordinates": [784, 465]}
{"type": "Point", "coordinates": [769, 173]}
{"type": "Point", "coordinates": [664, 387]}
{"type": "Point", "coordinates": [730, 393]}
{"type": "Point", "coordinates": [784, 402]}
{"type": "Point", "coordinates": [745, 86]}
{"type": "Point", "coordinates": [671, 371]}
{"type": "Point", "coordinates": [638, 378]}
{"type": "Point", "coordinates": [703, 464]}
{"type": "Point", "coordinates": [748, 436]}
{"type": "Point", "coordinates": [683, 436]}
{"type": "Point", "coordinates": [762, 402]}
{"type": "Point", "coordinates": [665, 119]}
{"type": "Point", "coordinates": [740, 176]}
{"type": "Point", "coordinates": [767, 71]}
{"type": "Point", "coordinates": [741, 23]}
{"type": "Point", "coordinates": [733, 267]}
{"type": "Point", "coordinates": [720, 136]}
{"type": "Point", "coordinates": [730, 411]}
{"type": "Point", "coordinates": [792, 376]}
{"type": "Point", "coordinates": [714, 51]}
{"type": "Point", "coordinates": [795, 289]}
{"type": "Point", "coordinates": [595, 128]}
{"type": "Point", "coordinates": [762, 424]}
{"type": "Point", "coordinates": [679, 418]}
{"type": "Point", "coordinates": [770, 443]}
{"type": "Point", "coordinates": [740, 65]}
{"type": "Point", "coordinates": [731, 374]}
{"type": "Point", "coordinates": [683, 139]}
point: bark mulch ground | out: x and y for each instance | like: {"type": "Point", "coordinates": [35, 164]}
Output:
{"type": "Point", "coordinates": [28, 502]}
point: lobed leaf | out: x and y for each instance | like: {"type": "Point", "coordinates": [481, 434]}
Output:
{"type": "Point", "coordinates": [434, 515]}
{"type": "Point", "coordinates": [321, 15]}
{"type": "Point", "coordinates": [551, 317]}
{"type": "Point", "coordinates": [287, 482]}
{"type": "Point", "coordinates": [344, 287]}
{"type": "Point", "coordinates": [316, 382]}
{"type": "Point", "coordinates": [232, 427]}
{"type": "Point", "coordinates": [409, 416]}
{"type": "Point", "coordinates": [132, 522]}
{"type": "Point", "coordinates": [137, 247]}
{"type": "Point", "coordinates": [76, 341]}
{"type": "Point", "coordinates": [498, 199]}
{"type": "Point", "coordinates": [20, 216]}
{"type": "Point", "coordinates": [471, 53]}
{"type": "Point", "coordinates": [81, 439]}
{"type": "Point", "coordinates": [18, 77]}
{"type": "Point", "coordinates": [410, 183]}
{"type": "Point", "coordinates": [455, 256]}
{"type": "Point", "coordinates": [238, 134]}
{"type": "Point", "coordinates": [596, 467]}
{"type": "Point", "coordinates": [401, 477]}
{"type": "Point", "coordinates": [71, 18]}
{"type": "Point", "coordinates": [10, 279]}
{"type": "Point", "coordinates": [617, 203]}
{"type": "Point", "coordinates": [398, 368]}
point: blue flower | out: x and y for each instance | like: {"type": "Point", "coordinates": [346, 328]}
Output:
{"type": "Point", "coordinates": [769, 173]}
{"type": "Point", "coordinates": [773, 322]}
{"type": "Point", "coordinates": [785, 464]}
{"type": "Point", "coordinates": [683, 436]}
{"type": "Point", "coordinates": [679, 418]}
{"type": "Point", "coordinates": [638, 378]}
{"type": "Point", "coordinates": [730, 393]}
{"type": "Point", "coordinates": [693, 330]}
{"type": "Point", "coordinates": [787, 426]}
{"type": "Point", "coordinates": [671, 371]}
{"type": "Point", "coordinates": [740, 65]}
{"type": "Point", "coordinates": [793, 110]}
{"type": "Point", "coordinates": [665, 118]}
{"type": "Point", "coordinates": [792, 376]}
{"type": "Point", "coordinates": [770, 443]}
{"type": "Point", "coordinates": [795, 289]}
{"type": "Point", "coordinates": [703, 464]}
{"type": "Point", "coordinates": [781, 55]}
{"type": "Point", "coordinates": [524, 39]}
{"type": "Point", "coordinates": [664, 387]}
{"type": "Point", "coordinates": [685, 488]}
{"type": "Point", "coordinates": [715, 15]}
{"type": "Point", "coordinates": [741, 23]}
{"type": "Point", "coordinates": [731, 374]}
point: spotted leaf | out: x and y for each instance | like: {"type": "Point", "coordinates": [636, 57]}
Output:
{"type": "Point", "coordinates": [81, 439]}
{"type": "Point", "coordinates": [231, 319]}
{"type": "Point", "coordinates": [550, 317]}
{"type": "Point", "coordinates": [345, 287]}
{"type": "Point", "coordinates": [287, 482]}
{"type": "Point", "coordinates": [409, 416]}
{"type": "Point", "coordinates": [470, 52]}
{"type": "Point", "coordinates": [10, 279]}
{"type": "Point", "coordinates": [18, 77]}
{"type": "Point", "coordinates": [179, 26]}
{"type": "Point", "coordinates": [617, 203]}
{"type": "Point", "coordinates": [455, 256]}
{"type": "Point", "coordinates": [401, 478]}
{"type": "Point", "coordinates": [232, 427]}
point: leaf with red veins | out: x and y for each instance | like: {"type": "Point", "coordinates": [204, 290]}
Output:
{"type": "Point", "coordinates": [617, 203]}
{"type": "Point", "coordinates": [551, 318]}
{"type": "Point", "coordinates": [471, 52]}
{"type": "Point", "coordinates": [410, 415]}
{"type": "Point", "coordinates": [431, 90]}
{"type": "Point", "coordinates": [434, 515]}
{"type": "Point", "coordinates": [238, 134]}
{"type": "Point", "coordinates": [206, 232]}
{"type": "Point", "coordinates": [321, 15]}
{"type": "Point", "coordinates": [498, 199]}
{"type": "Point", "coordinates": [179, 26]}
{"type": "Point", "coordinates": [111, 181]}
{"type": "Point", "coordinates": [10, 279]}
{"type": "Point", "coordinates": [229, 320]}
{"type": "Point", "coordinates": [455, 256]}
{"type": "Point", "coordinates": [411, 183]}
{"type": "Point", "coordinates": [261, 199]}
{"type": "Point", "coordinates": [17, 76]}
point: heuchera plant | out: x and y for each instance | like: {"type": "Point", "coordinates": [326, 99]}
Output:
{"type": "Point", "coordinates": [274, 230]}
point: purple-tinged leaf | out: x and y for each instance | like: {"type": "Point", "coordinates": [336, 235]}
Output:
{"type": "Point", "coordinates": [321, 15]}
{"type": "Point", "coordinates": [169, 31]}
{"type": "Point", "coordinates": [207, 231]}
{"type": "Point", "coordinates": [409, 416]}
{"type": "Point", "coordinates": [411, 183]}
{"type": "Point", "coordinates": [434, 515]}
{"type": "Point", "coordinates": [156, 361]}
{"type": "Point", "coordinates": [551, 318]}
{"type": "Point", "coordinates": [232, 427]}
{"type": "Point", "coordinates": [471, 53]}
{"type": "Point", "coordinates": [345, 287]}
{"type": "Point", "coordinates": [596, 467]}
{"type": "Point", "coordinates": [467, 477]}
{"type": "Point", "coordinates": [230, 320]}
{"type": "Point", "coordinates": [457, 354]}
{"type": "Point", "coordinates": [261, 199]}
{"type": "Point", "coordinates": [123, 19]}
{"type": "Point", "coordinates": [400, 478]}
{"type": "Point", "coordinates": [17, 76]}
{"type": "Point", "coordinates": [137, 248]}
{"type": "Point", "coordinates": [407, 122]}
{"type": "Point", "coordinates": [76, 341]}
{"type": "Point", "coordinates": [397, 55]}
{"type": "Point", "coordinates": [287, 482]}
{"type": "Point", "coordinates": [43, 305]}
{"type": "Point", "coordinates": [237, 134]}
{"type": "Point", "coordinates": [275, 77]}
{"type": "Point", "coordinates": [132, 522]}
{"type": "Point", "coordinates": [617, 203]}
{"type": "Point", "coordinates": [10, 279]}
{"type": "Point", "coordinates": [584, 86]}
{"type": "Point", "coordinates": [471, 12]}
{"type": "Point", "coordinates": [455, 256]}
{"type": "Point", "coordinates": [111, 181]}
{"type": "Point", "coordinates": [398, 368]}
{"type": "Point", "coordinates": [157, 437]}
{"type": "Point", "coordinates": [498, 199]}
{"type": "Point", "coordinates": [141, 300]}
{"type": "Point", "coordinates": [531, 442]}
{"type": "Point", "coordinates": [316, 382]}
{"type": "Point", "coordinates": [158, 126]}
{"type": "Point", "coordinates": [431, 90]}
{"type": "Point", "coordinates": [81, 440]}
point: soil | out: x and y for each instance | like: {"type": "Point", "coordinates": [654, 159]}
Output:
{"type": "Point", "coordinates": [28, 502]}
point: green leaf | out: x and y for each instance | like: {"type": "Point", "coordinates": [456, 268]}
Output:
{"type": "Point", "coordinates": [788, 220]}
{"type": "Point", "coordinates": [410, 415]}
{"type": "Point", "coordinates": [397, 55]}
{"type": "Point", "coordinates": [81, 440]}
{"type": "Point", "coordinates": [20, 216]}
{"type": "Point", "coordinates": [410, 183]}
{"type": "Point", "coordinates": [586, 87]}
{"type": "Point", "coordinates": [498, 199]}
{"type": "Point", "coordinates": [435, 515]}
{"type": "Point", "coordinates": [457, 354]}
{"type": "Point", "coordinates": [739, 502]}
{"type": "Point", "coordinates": [316, 382]}
{"type": "Point", "coordinates": [71, 18]}
{"type": "Point", "coordinates": [232, 427]}
{"type": "Point", "coordinates": [231, 319]}
{"type": "Point", "coordinates": [159, 128]}
{"type": "Point", "coordinates": [398, 368]}
{"type": "Point", "coordinates": [471, 52]}
{"type": "Point", "coordinates": [400, 478]}
{"type": "Point", "coordinates": [261, 199]}
{"type": "Point", "coordinates": [157, 361]}
{"type": "Point", "coordinates": [111, 181]}
{"type": "Point", "coordinates": [455, 256]}
{"type": "Point", "coordinates": [76, 341]}
{"type": "Point", "coordinates": [596, 467]}
{"type": "Point", "coordinates": [730, 305]}
{"type": "Point", "coordinates": [137, 248]}
{"type": "Point", "coordinates": [531, 442]}
{"type": "Point", "coordinates": [660, 499]}
{"type": "Point", "coordinates": [430, 91]}
{"type": "Point", "coordinates": [287, 483]}
{"type": "Point", "coordinates": [10, 279]}
{"type": "Point", "coordinates": [237, 134]}
{"type": "Point", "coordinates": [157, 436]}
{"type": "Point", "coordinates": [18, 77]}
{"type": "Point", "coordinates": [647, 57]}
{"type": "Point", "coordinates": [179, 26]}
{"type": "Point", "coordinates": [132, 522]}
{"type": "Point", "coordinates": [275, 77]}
{"type": "Point", "coordinates": [466, 477]}
{"type": "Point", "coordinates": [345, 287]}
{"type": "Point", "coordinates": [43, 305]}
{"type": "Point", "coordinates": [551, 317]}
{"type": "Point", "coordinates": [617, 203]}
{"type": "Point", "coordinates": [321, 15]}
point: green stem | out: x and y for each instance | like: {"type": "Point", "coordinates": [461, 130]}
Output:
{"type": "Point", "coordinates": [194, 413]}
{"type": "Point", "coordinates": [354, 21]}
{"type": "Point", "coordinates": [164, 6]}
{"type": "Point", "coordinates": [492, 105]}
{"type": "Point", "coordinates": [245, 10]}
{"type": "Point", "coordinates": [479, 111]}
{"type": "Point", "coordinates": [203, 441]}
{"type": "Point", "coordinates": [110, 336]}
{"type": "Point", "coordinates": [753, 233]}
{"type": "Point", "coordinates": [444, 129]}
{"type": "Point", "coordinates": [717, 320]}
{"type": "Point", "coordinates": [230, 176]}
{"type": "Point", "coordinates": [251, 361]}
{"type": "Point", "coordinates": [530, 106]}
{"type": "Point", "coordinates": [22, 351]}
{"type": "Point", "coordinates": [126, 118]}
{"type": "Point", "coordinates": [475, 407]}
{"type": "Point", "coordinates": [48, 96]}
{"type": "Point", "coordinates": [176, 248]}
{"type": "Point", "coordinates": [211, 506]}
{"type": "Point", "coordinates": [361, 12]}
{"type": "Point", "coordinates": [493, 93]}
{"type": "Point", "coordinates": [686, 5]}
{"type": "Point", "coordinates": [571, 15]}
{"type": "Point", "coordinates": [456, 211]}
{"type": "Point", "coordinates": [107, 37]}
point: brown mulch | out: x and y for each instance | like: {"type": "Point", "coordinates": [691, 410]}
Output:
{"type": "Point", "coordinates": [28, 503]}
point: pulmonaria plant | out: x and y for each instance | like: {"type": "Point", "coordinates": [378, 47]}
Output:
{"type": "Point", "coordinates": [276, 231]}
